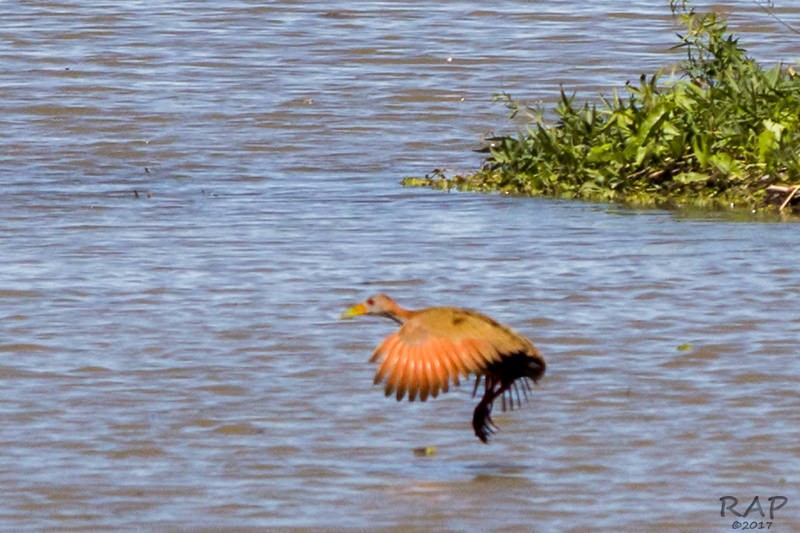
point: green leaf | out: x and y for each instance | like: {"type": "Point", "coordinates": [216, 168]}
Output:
{"type": "Point", "coordinates": [641, 154]}
{"type": "Point", "coordinates": [599, 154]}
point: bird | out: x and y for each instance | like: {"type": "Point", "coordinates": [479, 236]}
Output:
{"type": "Point", "coordinates": [436, 346]}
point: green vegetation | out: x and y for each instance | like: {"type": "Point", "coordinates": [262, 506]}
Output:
{"type": "Point", "coordinates": [717, 134]}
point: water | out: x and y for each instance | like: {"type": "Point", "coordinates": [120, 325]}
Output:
{"type": "Point", "coordinates": [193, 193]}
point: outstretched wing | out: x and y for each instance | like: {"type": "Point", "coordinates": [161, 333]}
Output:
{"type": "Point", "coordinates": [436, 346]}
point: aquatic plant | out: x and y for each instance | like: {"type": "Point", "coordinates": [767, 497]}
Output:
{"type": "Point", "coordinates": [720, 131]}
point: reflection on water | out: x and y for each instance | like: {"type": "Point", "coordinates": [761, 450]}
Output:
{"type": "Point", "coordinates": [192, 195]}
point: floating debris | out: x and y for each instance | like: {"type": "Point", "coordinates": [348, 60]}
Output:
{"type": "Point", "coordinates": [425, 451]}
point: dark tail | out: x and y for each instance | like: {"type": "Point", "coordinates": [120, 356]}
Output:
{"type": "Point", "coordinates": [536, 368]}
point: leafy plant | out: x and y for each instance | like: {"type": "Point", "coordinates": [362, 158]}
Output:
{"type": "Point", "coordinates": [718, 134]}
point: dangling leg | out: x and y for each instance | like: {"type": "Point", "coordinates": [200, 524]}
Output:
{"type": "Point", "coordinates": [482, 420]}
{"type": "Point", "coordinates": [477, 384]}
{"type": "Point", "coordinates": [517, 387]}
{"type": "Point", "coordinates": [481, 417]}
{"type": "Point", "coordinates": [514, 389]}
{"type": "Point", "coordinates": [526, 387]}
{"type": "Point", "coordinates": [500, 392]}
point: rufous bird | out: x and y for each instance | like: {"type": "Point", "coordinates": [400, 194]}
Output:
{"type": "Point", "coordinates": [437, 345]}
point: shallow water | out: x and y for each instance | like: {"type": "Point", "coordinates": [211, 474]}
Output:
{"type": "Point", "coordinates": [192, 194]}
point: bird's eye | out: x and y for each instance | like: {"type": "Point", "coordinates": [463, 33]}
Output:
{"type": "Point", "coordinates": [371, 301]}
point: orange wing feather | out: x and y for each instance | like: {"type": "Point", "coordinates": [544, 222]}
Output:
{"type": "Point", "coordinates": [437, 345]}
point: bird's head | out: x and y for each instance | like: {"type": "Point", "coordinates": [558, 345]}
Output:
{"type": "Point", "coordinates": [378, 304]}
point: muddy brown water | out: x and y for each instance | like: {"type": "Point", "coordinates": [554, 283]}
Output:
{"type": "Point", "coordinates": [192, 193]}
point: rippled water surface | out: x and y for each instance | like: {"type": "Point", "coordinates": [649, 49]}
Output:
{"type": "Point", "coordinates": [193, 192]}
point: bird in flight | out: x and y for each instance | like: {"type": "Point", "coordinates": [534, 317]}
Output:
{"type": "Point", "coordinates": [437, 345]}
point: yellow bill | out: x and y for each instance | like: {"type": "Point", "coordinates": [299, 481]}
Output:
{"type": "Point", "coordinates": [356, 310]}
